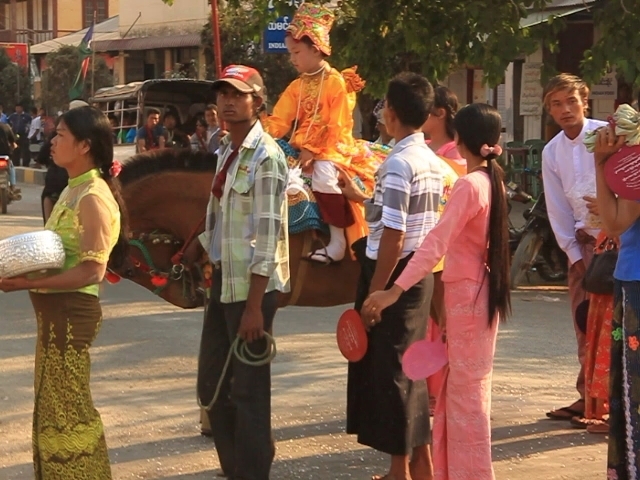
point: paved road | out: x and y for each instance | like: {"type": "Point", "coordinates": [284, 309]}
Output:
{"type": "Point", "coordinates": [144, 364]}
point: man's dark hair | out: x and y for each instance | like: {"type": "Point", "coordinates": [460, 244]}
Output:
{"type": "Point", "coordinates": [212, 106]}
{"type": "Point", "coordinates": [411, 97]}
{"type": "Point", "coordinates": [34, 110]}
{"type": "Point", "coordinates": [153, 111]}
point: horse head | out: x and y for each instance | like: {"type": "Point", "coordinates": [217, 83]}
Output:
{"type": "Point", "coordinates": [166, 194]}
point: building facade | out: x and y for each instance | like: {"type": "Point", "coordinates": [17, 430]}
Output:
{"type": "Point", "coordinates": [156, 37]}
{"type": "Point", "coordinates": [36, 21]}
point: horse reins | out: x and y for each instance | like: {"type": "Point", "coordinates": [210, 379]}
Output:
{"type": "Point", "coordinates": [160, 279]}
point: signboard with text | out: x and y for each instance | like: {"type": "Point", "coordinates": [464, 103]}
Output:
{"type": "Point", "coordinates": [607, 87]}
{"type": "Point", "coordinates": [17, 52]}
{"type": "Point", "coordinates": [275, 32]}
{"type": "Point", "coordinates": [531, 89]}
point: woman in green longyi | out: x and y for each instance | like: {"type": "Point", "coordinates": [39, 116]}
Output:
{"type": "Point", "coordinates": [68, 436]}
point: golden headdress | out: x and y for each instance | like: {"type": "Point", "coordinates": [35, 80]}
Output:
{"type": "Point", "coordinates": [315, 22]}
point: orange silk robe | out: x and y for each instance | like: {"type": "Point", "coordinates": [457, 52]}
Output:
{"type": "Point", "coordinates": [324, 117]}
{"type": "Point", "coordinates": [318, 113]}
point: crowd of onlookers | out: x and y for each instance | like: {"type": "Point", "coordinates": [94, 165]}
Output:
{"type": "Point", "coordinates": [164, 129]}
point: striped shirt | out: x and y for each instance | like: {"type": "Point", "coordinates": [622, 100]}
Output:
{"type": "Point", "coordinates": [406, 196]}
{"type": "Point", "coordinates": [247, 229]}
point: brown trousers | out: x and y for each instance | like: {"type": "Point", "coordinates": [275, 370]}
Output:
{"type": "Point", "coordinates": [577, 295]}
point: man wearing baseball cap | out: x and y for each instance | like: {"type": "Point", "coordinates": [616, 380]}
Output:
{"type": "Point", "coordinates": [246, 238]}
{"type": "Point", "coordinates": [242, 78]}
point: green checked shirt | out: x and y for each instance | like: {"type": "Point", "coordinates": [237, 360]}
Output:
{"type": "Point", "coordinates": [246, 230]}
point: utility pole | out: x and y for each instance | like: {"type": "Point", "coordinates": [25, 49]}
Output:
{"type": "Point", "coordinates": [215, 28]}
{"type": "Point", "coordinates": [217, 48]}
{"type": "Point", "coordinates": [18, 81]}
{"type": "Point", "coordinates": [93, 56]}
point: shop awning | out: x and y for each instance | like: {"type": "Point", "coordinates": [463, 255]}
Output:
{"type": "Point", "coordinates": [107, 30]}
{"type": "Point", "coordinates": [536, 18]}
{"type": "Point", "coordinates": [148, 43]}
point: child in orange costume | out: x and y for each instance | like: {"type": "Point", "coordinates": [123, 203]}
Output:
{"type": "Point", "coordinates": [316, 109]}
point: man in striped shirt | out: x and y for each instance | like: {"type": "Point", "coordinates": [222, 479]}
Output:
{"type": "Point", "coordinates": [384, 408]}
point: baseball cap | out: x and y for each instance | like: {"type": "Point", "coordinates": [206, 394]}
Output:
{"type": "Point", "coordinates": [243, 78]}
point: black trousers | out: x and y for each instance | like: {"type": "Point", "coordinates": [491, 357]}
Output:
{"type": "Point", "coordinates": [385, 409]}
{"type": "Point", "coordinates": [241, 417]}
{"type": "Point", "coordinates": [25, 154]}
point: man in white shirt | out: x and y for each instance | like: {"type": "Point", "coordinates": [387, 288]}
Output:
{"type": "Point", "coordinates": [568, 173]}
{"type": "Point", "coordinates": [35, 129]}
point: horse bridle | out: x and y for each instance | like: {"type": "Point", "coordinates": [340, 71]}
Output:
{"type": "Point", "coordinates": [160, 279]}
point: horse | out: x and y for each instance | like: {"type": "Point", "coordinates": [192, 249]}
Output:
{"type": "Point", "coordinates": [166, 193]}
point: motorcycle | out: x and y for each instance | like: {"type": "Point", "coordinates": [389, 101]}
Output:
{"type": "Point", "coordinates": [535, 249]}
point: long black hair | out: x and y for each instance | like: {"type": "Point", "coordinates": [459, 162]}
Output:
{"type": "Point", "coordinates": [92, 125]}
{"type": "Point", "coordinates": [447, 100]}
{"type": "Point", "coordinates": [479, 124]}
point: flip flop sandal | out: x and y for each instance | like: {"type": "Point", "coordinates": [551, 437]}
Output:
{"type": "Point", "coordinates": [580, 422]}
{"type": "Point", "coordinates": [567, 413]}
{"type": "Point", "coordinates": [327, 260]}
{"type": "Point", "coordinates": [601, 427]}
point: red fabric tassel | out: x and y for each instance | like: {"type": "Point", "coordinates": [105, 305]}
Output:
{"type": "Point", "coordinates": [159, 281]}
{"type": "Point", "coordinates": [112, 278]}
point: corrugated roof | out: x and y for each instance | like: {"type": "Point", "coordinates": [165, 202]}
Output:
{"type": "Point", "coordinates": [148, 43]}
{"type": "Point", "coordinates": [535, 18]}
{"type": "Point", "coordinates": [169, 85]}
{"type": "Point", "coordinates": [569, 3]}
{"type": "Point", "coordinates": [107, 30]}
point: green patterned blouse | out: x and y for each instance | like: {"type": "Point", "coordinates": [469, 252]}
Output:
{"type": "Point", "coordinates": [85, 235]}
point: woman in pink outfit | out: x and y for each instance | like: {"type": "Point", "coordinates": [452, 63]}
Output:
{"type": "Point", "coordinates": [440, 131]}
{"type": "Point", "coordinates": [473, 234]}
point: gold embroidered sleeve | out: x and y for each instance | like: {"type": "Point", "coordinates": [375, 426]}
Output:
{"type": "Point", "coordinates": [283, 117]}
{"type": "Point", "coordinates": [96, 222]}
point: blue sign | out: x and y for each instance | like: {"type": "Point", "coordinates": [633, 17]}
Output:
{"type": "Point", "coordinates": [274, 35]}
{"type": "Point", "coordinates": [276, 30]}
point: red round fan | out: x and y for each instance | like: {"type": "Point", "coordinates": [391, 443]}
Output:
{"type": "Point", "coordinates": [351, 336]}
{"type": "Point", "coordinates": [622, 172]}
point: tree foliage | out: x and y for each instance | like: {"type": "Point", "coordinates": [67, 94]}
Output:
{"type": "Point", "coordinates": [619, 43]}
{"type": "Point", "coordinates": [432, 37]}
{"type": "Point", "coordinates": [435, 37]}
{"type": "Point", "coordinates": [14, 83]}
{"type": "Point", "coordinates": [241, 43]}
{"type": "Point", "coordinates": [62, 69]}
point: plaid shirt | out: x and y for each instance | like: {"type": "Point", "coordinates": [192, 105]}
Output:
{"type": "Point", "coordinates": [252, 237]}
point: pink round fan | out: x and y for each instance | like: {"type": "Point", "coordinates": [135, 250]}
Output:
{"type": "Point", "coordinates": [424, 358]}
{"type": "Point", "coordinates": [622, 172]}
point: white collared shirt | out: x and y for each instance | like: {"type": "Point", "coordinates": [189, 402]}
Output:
{"type": "Point", "coordinates": [568, 174]}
